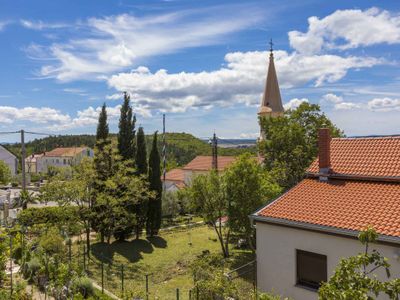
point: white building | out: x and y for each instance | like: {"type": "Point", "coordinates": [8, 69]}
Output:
{"type": "Point", "coordinates": [62, 157]}
{"type": "Point", "coordinates": [302, 235]}
{"type": "Point", "coordinates": [10, 160]}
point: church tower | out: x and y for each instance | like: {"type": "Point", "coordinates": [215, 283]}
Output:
{"type": "Point", "coordinates": [271, 104]}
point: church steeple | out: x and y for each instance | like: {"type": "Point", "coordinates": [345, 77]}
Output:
{"type": "Point", "coordinates": [271, 104]}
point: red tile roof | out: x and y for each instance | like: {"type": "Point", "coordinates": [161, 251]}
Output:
{"type": "Point", "coordinates": [204, 163]}
{"type": "Point", "coordinates": [65, 151]}
{"type": "Point", "coordinates": [342, 204]}
{"type": "Point", "coordinates": [174, 175]}
{"type": "Point", "coordinates": [379, 156]}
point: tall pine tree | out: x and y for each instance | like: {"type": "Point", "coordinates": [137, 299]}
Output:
{"type": "Point", "coordinates": [102, 126]}
{"type": "Point", "coordinates": [141, 168]}
{"type": "Point", "coordinates": [141, 153]}
{"type": "Point", "coordinates": [154, 210]}
{"type": "Point", "coordinates": [126, 135]}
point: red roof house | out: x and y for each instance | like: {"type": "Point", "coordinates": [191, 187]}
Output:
{"type": "Point", "coordinates": [354, 183]}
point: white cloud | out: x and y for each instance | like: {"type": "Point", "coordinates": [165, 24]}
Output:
{"type": "Point", "coordinates": [114, 43]}
{"type": "Point", "coordinates": [338, 102]}
{"type": "Point", "coordinates": [384, 104]}
{"type": "Point", "coordinates": [40, 25]}
{"type": "Point", "coordinates": [346, 29]}
{"type": "Point", "coordinates": [3, 24]}
{"type": "Point", "coordinates": [55, 120]}
{"type": "Point", "coordinates": [41, 115]}
{"type": "Point", "coordinates": [239, 82]}
{"type": "Point", "coordinates": [116, 96]}
{"type": "Point", "coordinates": [294, 103]}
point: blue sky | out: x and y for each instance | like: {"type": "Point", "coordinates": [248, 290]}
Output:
{"type": "Point", "coordinates": [203, 63]}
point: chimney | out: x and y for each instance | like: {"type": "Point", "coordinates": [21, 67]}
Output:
{"type": "Point", "coordinates": [324, 151]}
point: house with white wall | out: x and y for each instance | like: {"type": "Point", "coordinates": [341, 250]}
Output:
{"type": "Point", "coordinates": [10, 160]}
{"type": "Point", "coordinates": [179, 178]}
{"type": "Point", "coordinates": [303, 234]}
{"type": "Point", "coordinates": [62, 157]}
{"type": "Point", "coordinates": [203, 164]}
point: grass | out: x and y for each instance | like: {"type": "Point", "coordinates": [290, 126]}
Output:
{"type": "Point", "coordinates": [166, 258]}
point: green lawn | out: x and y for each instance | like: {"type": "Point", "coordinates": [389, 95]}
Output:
{"type": "Point", "coordinates": [166, 258]}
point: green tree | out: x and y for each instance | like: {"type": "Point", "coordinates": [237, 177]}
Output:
{"type": "Point", "coordinates": [292, 142]}
{"type": "Point", "coordinates": [102, 127]}
{"type": "Point", "coordinates": [141, 153]}
{"type": "Point", "coordinates": [5, 173]}
{"type": "Point", "coordinates": [76, 192]}
{"type": "Point", "coordinates": [141, 170]}
{"type": "Point", "coordinates": [248, 186]}
{"type": "Point", "coordinates": [208, 198]}
{"type": "Point", "coordinates": [126, 135]}
{"type": "Point", "coordinates": [153, 222]}
{"type": "Point", "coordinates": [355, 277]}
{"type": "Point", "coordinates": [26, 197]}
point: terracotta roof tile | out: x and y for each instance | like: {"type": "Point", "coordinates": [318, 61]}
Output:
{"type": "Point", "coordinates": [174, 175]}
{"type": "Point", "coordinates": [378, 156]}
{"type": "Point", "coordinates": [65, 151]}
{"type": "Point", "coordinates": [342, 204]}
{"type": "Point", "coordinates": [204, 163]}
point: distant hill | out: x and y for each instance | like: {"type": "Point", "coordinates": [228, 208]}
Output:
{"type": "Point", "coordinates": [181, 147]}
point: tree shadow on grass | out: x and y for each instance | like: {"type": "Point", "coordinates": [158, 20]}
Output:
{"type": "Point", "coordinates": [157, 241]}
{"type": "Point", "coordinates": [131, 250]}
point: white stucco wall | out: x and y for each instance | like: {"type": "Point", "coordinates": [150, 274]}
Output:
{"type": "Point", "coordinates": [10, 160]}
{"type": "Point", "coordinates": [276, 257]}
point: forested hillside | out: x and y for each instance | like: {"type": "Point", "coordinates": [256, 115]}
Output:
{"type": "Point", "coordinates": [181, 147]}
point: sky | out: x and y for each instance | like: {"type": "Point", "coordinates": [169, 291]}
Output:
{"type": "Point", "coordinates": [202, 63]}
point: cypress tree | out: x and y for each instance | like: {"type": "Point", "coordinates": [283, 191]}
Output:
{"type": "Point", "coordinates": [126, 135]}
{"type": "Point", "coordinates": [141, 168]}
{"type": "Point", "coordinates": [154, 211]}
{"type": "Point", "coordinates": [102, 126]}
{"type": "Point", "coordinates": [141, 152]}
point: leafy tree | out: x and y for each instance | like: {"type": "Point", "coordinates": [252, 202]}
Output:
{"type": "Point", "coordinates": [208, 198]}
{"type": "Point", "coordinates": [153, 223]}
{"type": "Point", "coordinates": [355, 277]}
{"type": "Point", "coordinates": [126, 135]}
{"type": "Point", "coordinates": [292, 142]}
{"type": "Point", "coordinates": [76, 192]}
{"type": "Point", "coordinates": [141, 153]}
{"type": "Point", "coordinates": [248, 186]}
{"type": "Point", "coordinates": [5, 173]}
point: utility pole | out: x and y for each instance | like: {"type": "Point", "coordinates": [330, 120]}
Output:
{"type": "Point", "coordinates": [164, 154]}
{"type": "Point", "coordinates": [23, 155]}
{"type": "Point", "coordinates": [214, 145]}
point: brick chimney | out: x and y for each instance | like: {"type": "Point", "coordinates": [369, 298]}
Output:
{"type": "Point", "coordinates": [324, 150]}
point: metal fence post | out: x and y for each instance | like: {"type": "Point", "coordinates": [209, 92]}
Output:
{"type": "Point", "coordinates": [177, 294]}
{"type": "Point", "coordinates": [190, 294]}
{"type": "Point", "coordinates": [84, 258]}
{"type": "Point", "coordinates": [102, 278]}
{"type": "Point", "coordinates": [147, 286]}
{"type": "Point", "coordinates": [122, 279]}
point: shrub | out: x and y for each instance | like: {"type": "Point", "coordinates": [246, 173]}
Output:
{"type": "Point", "coordinates": [31, 268]}
{"type": "Point", "coordinates": [83, 286]}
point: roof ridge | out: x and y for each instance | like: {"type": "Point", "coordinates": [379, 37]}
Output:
{"type": "Point", "coordinates": [379, 137]}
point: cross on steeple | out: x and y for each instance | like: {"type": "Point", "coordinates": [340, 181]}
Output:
{"type": "Point", "coordinates": [271, 44]}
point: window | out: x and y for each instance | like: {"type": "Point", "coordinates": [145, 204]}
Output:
{"type": "Point", "coordinates": [311, 269]}
{"type": "Point", "coordinates": [65, 161]}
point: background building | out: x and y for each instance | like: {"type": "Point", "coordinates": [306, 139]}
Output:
{"type": "Point", "coordinates": [10, 160]}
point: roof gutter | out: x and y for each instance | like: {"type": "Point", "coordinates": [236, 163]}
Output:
{"type": "Point", "coordinates": [320, 228]}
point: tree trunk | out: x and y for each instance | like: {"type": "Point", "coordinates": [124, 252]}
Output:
{"type": "Point", "coordinates": [221, 241]}
{"type": "Point", "coordinates": [88, 240]}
